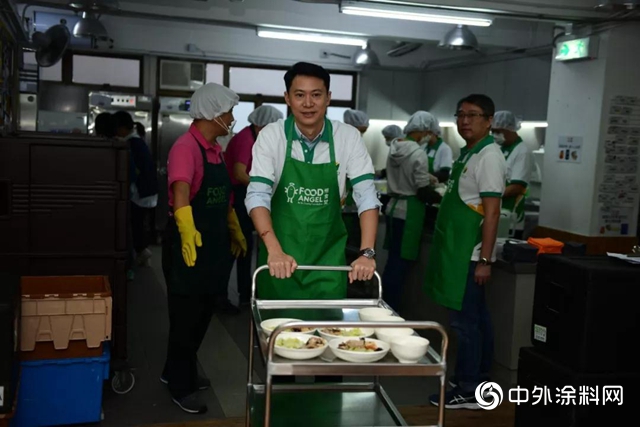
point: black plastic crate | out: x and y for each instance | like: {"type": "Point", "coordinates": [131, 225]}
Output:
{"type": "Point", "coordinates": [9, 339]}
{"type": "Point", "coordinates": [538, 370]}
{"type": "Point", "coordinates": [585, 312]}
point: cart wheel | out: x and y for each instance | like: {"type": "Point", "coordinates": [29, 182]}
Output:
{"type": "Point", "coordinates": [123, 381]}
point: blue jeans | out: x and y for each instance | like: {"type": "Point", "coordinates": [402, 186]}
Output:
{"type": "Point", "coordinates": [395, 272]}
{"type": "Point", "coordinates": [474, 330]}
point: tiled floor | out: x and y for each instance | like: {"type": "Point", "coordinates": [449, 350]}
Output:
{"type": "Point", "coordinates": [223, 358]}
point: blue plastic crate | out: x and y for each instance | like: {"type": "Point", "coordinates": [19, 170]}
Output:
{"type": "Point", "coordinates": [62, 391]}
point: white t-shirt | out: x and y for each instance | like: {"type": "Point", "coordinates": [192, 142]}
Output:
{"type": "Point", "coordinates": [352, 157]}
{"type": "Point", "coordinates": [483, 176]}
{"type": "Point", "coordinates": [520, 165]}
{"type": "Point", "coordinates": [442, 157]}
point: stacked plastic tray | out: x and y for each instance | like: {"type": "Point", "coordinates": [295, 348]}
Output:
{"type": "Point", "coordinates": [65, 352]}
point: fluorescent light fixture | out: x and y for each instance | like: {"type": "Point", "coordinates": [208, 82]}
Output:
{"type": "Point", "coordinates": [312, 36]}
{"type": "Point", "coordinates": [408, 13]}
{"type": "Point", "coordinates": [447, 125]}
{"type": "Point", "coordinates": [534, 124]}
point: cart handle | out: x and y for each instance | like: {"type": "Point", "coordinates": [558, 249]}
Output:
{"type": "Point", "coordinates": [313, 268]}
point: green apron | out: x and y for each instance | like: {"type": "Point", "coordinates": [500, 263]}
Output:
{"type": "Point", "coordinates": [413, 226]}
{"type": "Point", "coordinates": [513, 203]}
{"type": "Point", "coordinates": [210, 208]}
{"type": "Point", "coordinates": [457, 232]}
{"type": "Point", "coordinates": [433, 150]}
{"type": "Point", "coordinates": [307, 220]}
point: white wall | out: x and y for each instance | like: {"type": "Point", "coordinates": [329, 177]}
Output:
{"type": "Point", "coordinates": [575, 109]}
{"type": "Point", "coordinates": [520, 85]}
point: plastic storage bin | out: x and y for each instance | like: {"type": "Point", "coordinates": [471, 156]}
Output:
{"type": "Point", "coordinates": [62, 391]}
{"type": "Point", "coordinates": [64, 308]}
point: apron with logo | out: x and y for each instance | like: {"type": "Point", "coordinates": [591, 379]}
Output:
{"type": "Point", "coordinates": [457, 232]}
{"type": "Point", "coordinates": [514, 203]}
{"type": "Point", "coordinates": [210, 207]}
{"type": "Point", "coordinates": [306, 216]}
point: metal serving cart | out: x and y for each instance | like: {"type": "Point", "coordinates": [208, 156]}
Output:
{"type": "Point", "coordinates": [329, 404]}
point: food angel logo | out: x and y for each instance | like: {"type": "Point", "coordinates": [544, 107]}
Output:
{"type": "Point", "coordinates": [290, 191]}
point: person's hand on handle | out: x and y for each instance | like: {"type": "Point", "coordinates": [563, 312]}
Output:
{"type": "Point", "coordinates": [281, 265]}
{"type": "Point", "coordinates": [362, 269]}
{"type": "Point", "coordinates": [190, 237]}
{"type": "Point", "coordinates": [483, 274]}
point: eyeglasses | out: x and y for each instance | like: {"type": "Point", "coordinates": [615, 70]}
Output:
{"type": "Point", "coordinates": [470, 116]}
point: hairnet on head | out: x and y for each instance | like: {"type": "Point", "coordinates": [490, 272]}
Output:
{"type": "Point", "coordinates": [437, 129]}
{"type": "Point", "coordinates": [505, 120]}
{"type": "Point", "coordinates": [392, 131]}
{"type": "Point", "coordinates": [265, 114]}
{"type": "Point", "coordinates": [356, 118]}
{"type": "Point", "coordinates": [420, 121]}
{"type": "Point", "coordinates": [212, 100]}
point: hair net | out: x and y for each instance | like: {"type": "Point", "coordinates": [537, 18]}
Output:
{"type": "Point", "coordinates": [265, 114]}
{"type": "Point", "coordinates": [437, 129]}
{"type": "Point", "coordinates": [356, 118]}
{"type": "Point", "coordinates": [392, 131]}
{"type": "Point", "coordinates": [506, 120]}
{"type": "Point", "coordinates": [420, 121]}
{"type": "Point", "coordinates": [212, 100]}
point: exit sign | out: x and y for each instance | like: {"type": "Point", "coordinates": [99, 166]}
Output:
{"type": "Point", "coordinates": [576, 49]}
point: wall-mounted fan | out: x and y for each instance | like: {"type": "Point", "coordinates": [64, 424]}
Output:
{"type": "Point", "coordinates": [50, 45]}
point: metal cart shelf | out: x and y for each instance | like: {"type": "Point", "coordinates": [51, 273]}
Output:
{"type": "Point", "coordinates": [332, 404]}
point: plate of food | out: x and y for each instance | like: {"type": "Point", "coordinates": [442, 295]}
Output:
{"type": "Point", "coordinates": [359, 350]}
{"type": "Point", "coordinates": [299, 346]}
{"type": "Point", "coordinates": [268, 326]}
{"type": "Point", "coordinates": [332, 333]}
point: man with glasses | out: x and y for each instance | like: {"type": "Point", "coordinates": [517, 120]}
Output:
{"type": "Point", "coordinates": [464, 247]}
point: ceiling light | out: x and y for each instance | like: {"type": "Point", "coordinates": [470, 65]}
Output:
{"type": "Point", "coordinates": [460, 38]}
{"type": "Point", "coordinates": [408, 13]}
{"type": "Point", "coordinates": [534, 124]}
{"type": "Point", "coordinates": [309, 36]}
{"type": "Point", "coordinates": [89, 26]}
{"type": "Point", "coordinates": [366, 56]}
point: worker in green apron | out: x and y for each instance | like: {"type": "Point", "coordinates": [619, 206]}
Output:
{"type": "Point", "coordinates": [298, 180]}
{"type": "Point", "coordinates": [408, 180]}
{"type": "Point", "coordinates": [359, 120]}
{"type": "Point", "coordinates": [202, 236]}
{"type": "Point", "coordinates": [463, 247]}
{"type": "Point", "coordinates": [520, 165]}
{"type": "Point", "coordinates": [439, 153]}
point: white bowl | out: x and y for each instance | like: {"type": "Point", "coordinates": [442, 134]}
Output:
{"type": "Point", "coordinates": [359, 357]}
{"type": "Point", "coordinates": [298, 353]}
{"type": "Point", "coordinates": [268, 326]}
{"type": "Point", "coordinates": [364, 332]}
{"type": "Point", "coordinates": [388, 334]}
{"type": "Point", "coordinates": [409, 349]}
{"type": "Point", "coordinates": [373, 313]}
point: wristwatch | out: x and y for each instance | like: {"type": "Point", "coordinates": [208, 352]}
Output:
{"type": "Point", "coordinates": [484, 261]}
{"type": "Point", "coordinates": [368, 253]}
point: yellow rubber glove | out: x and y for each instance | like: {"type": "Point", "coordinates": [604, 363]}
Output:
{"type": "Point", "coordinates": [189, 236]}
{"type": "Point", "coordinates": [238, 242]}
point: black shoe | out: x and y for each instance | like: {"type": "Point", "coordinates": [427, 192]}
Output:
{"type": "Point", "coordinates": [192, 404]}
{"type": "Point", "coordinates": [453, 381]}
{"type": "Point", "coordinates": [456, 399]}
{"type": "Point", "coordinates": [202, 383]}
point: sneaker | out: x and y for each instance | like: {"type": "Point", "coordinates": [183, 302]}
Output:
{"type": "Point", "coordinates": [453, 381]}
{"type": "Point", "coordinates": [201, 382]}
{"type": "Point", "coordinates": [456, 399]}
{"type": "Point", "coordinates": [191, 404]}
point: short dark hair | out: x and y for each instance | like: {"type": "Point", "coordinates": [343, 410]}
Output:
{"type": "Point", "coordinates": [306, 69]}
{"type": "Point", "coordinates": [140, 130]}
{"type": "Point", "coordinates": [123, 120]}
{"type": "Point", "coordinates": [105, 125]}
{"type": "Point", "coordinates": [483, 101]}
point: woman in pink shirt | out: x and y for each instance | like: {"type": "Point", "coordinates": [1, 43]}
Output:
{"type": "Point", "coordinates": [202, 234]}
{"type": "Point", "coordinates": [238, 156]}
